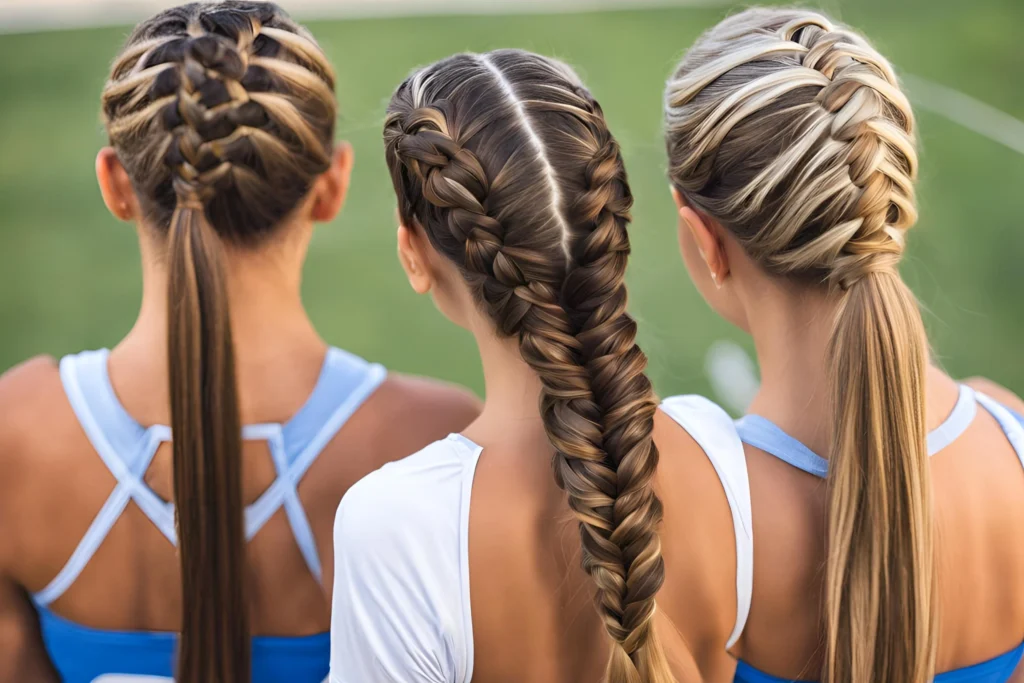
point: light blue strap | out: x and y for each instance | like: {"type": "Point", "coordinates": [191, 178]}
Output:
{"type": "Point", "coordinates": [293, 508]}
{"type": "Point", "coordinates": [112, 431]}
{"type": "Point", "coordinates": [345, 381]}
{"type": "Point", "coordinates": [159, 511]}
{"type": "Point", "coordinates": [98, 530]}
{"type": "Point", "coordinates": [762, 433]}
{"type": "Point", "coordinates": [1008, 421]}
{"type": "Point", "coordinates": [956, 424]}
{"type": "Point", "coordinates": [372, 378]}
{"type": "Point", "coordinates": [128, 484]}
{"type": "Point", "coordinates": [296, 446]}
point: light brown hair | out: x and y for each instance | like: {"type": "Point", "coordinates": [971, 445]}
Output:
{"type": "Point", "coordinates": [223, 116]}
{"type": "Point", "coordinates": [505, 161]}
{"type": "Point", "coordinates": [792, 133]}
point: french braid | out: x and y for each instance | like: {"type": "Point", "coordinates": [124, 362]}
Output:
{"type": "Point", "coordinates": [468, 170]}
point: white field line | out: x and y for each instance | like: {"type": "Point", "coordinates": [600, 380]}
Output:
{"type": "Point", "coordinates": [17, 16]}
{"type": "Point", "coordinates": [971, 113]}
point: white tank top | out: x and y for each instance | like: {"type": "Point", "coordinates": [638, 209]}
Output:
{"type": "Point", "coordinates": [401, 611]}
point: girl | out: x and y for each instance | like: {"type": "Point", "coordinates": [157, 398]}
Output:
{"type": "Point", "coordinates": [221, 121]}
{"type": "Point", "coordinates": [514, 205]}
{"type": "Point", "coordinates": [886, 501]}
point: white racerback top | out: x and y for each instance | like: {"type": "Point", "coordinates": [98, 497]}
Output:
{"type": "Point", "coordinates": [401, 611]}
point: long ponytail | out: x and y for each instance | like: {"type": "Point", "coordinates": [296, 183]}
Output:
{"type": "Point", "coordinates": [206, 429]}
{"type": "Point", "coordinates": [880, 585]}
{"type": "Point", "coordinates": [223, 116]}
{"type": "Point", "coordinates": [792, 133]}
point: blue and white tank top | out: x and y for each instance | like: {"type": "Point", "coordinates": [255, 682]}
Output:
{"type": "Point", "coordinates": [87, 655]}
{"type": "Point", "coordinates": [698, 416]}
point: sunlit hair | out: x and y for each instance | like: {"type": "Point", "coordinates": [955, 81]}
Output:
{"type": "Point", "coordinates": [223, 116]}
{"type": "Point", "coordinates": [505, 161]}
{"type": "Point", "coordinates": [792, 133]}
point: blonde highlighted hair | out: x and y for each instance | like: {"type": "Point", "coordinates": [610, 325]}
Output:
{"type": "Point", "coordinates": [792, 132]}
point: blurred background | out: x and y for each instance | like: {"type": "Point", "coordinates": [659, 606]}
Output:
{"type": "Point", "coordinates": [69, 273]}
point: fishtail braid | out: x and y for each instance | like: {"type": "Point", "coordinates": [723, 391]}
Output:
{"type": "Point", "coordinates": [553, 276]}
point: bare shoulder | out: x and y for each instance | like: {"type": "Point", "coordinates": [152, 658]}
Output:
{"type": "Point", "coordinates": [409, 412]}
{"type": "Point", "coordinates": [34, 418]}
{"type": "Point", "coordinates": [402, 416]}
{"type": "Point", "coordinates": [30, 394]}
{"type": "Point", "coordinates": [997, 392]}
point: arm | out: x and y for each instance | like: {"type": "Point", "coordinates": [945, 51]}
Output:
{"type": "Point", "coordinates": [23, 657]}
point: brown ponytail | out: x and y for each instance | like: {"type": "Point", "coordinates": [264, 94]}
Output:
{"type": "Point", "coordinates": [207, 456]}
{"type": "Point", "coordinates": [223, 116]}
{"type": "Point", "coordinates": [793, 133]}
{"type": "Point", "coordinates": [880, 585]}
{"type": "Point", "coordinates": [518, 181]}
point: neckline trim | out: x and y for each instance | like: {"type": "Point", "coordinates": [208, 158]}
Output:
{"type": "Point", "coordinates": [762, 433]}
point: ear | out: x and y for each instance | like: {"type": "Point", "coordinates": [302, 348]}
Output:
{"type": "Point", "coordinates": [412, 254]}
{"type": "Point", "coordinates": [115, 186]}
{"type": "Point", "coordinates": [706, 235]}
{"type": "Point", "coordinates": [331, 187]}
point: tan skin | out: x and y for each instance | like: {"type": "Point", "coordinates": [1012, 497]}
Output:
{"type": "Point", "coordinates": [53, 482]}
{"type": "Point", "coordinates": [532, 608]}
{"type": "Point", "coordinates": [978, 480]}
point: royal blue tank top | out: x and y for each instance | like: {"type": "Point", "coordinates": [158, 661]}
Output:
{"type": "Point", "coordinates": [86, 655]}
{"type": "Point", "coordinates": [766, 435]}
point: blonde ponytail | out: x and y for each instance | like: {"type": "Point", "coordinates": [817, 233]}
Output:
{"type": "Point", "coordinates": [880, 574]}
{"type": "Point", "coordinates": [792, 132]}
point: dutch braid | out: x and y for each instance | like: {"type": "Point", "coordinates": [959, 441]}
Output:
{"type": "Point", "coordinates": [792, 133]}
{"type": "Point", "coordinates": [223, 116]}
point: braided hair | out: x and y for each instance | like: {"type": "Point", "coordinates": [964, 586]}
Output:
{"type": "Point", "coordinates": [792, 133]}
{"type": "Point", "coordinates": [223, 116]}
{"type": "Point", "coordinates": [505, 161]}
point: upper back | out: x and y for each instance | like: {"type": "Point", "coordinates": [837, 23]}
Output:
{"type": "Point", "coordinates": [467, 556]}
{"type": "Point", "coordinates": [977, 473]}
{"type": "Point", "coordinates": [87, 528]}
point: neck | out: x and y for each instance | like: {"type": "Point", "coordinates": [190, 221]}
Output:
{"type": "Point", "coordinates": [512, 391]}
{"type": "Point", "coordinates": [269, 324]}
{"type": "Point", "coordinates": [791, 330]}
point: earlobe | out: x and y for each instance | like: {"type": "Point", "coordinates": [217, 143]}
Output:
{"type": "Point", "coordinates": [709, 243]}
{"type": "Point", "coordinates": [413, 263]}
{"type": "Point", "coordinates": [115, 186]}
{"type": "Point", "coordinates": [332, 186]}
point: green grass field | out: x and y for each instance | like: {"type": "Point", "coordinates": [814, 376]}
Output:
{"type": "Point", "coordinates": [69, 273]}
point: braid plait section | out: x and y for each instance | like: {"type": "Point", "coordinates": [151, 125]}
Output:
{"type": "Point", "coordinates": [627, 556]}
{"type": "Point", "coordinates": [450, 178]}
{"type": "Point", "coordinates": [223, 97]}
{"type": "Point", "coordinates": [873, 120]}
{"type": "Point", "coordinates": [811, 161]}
